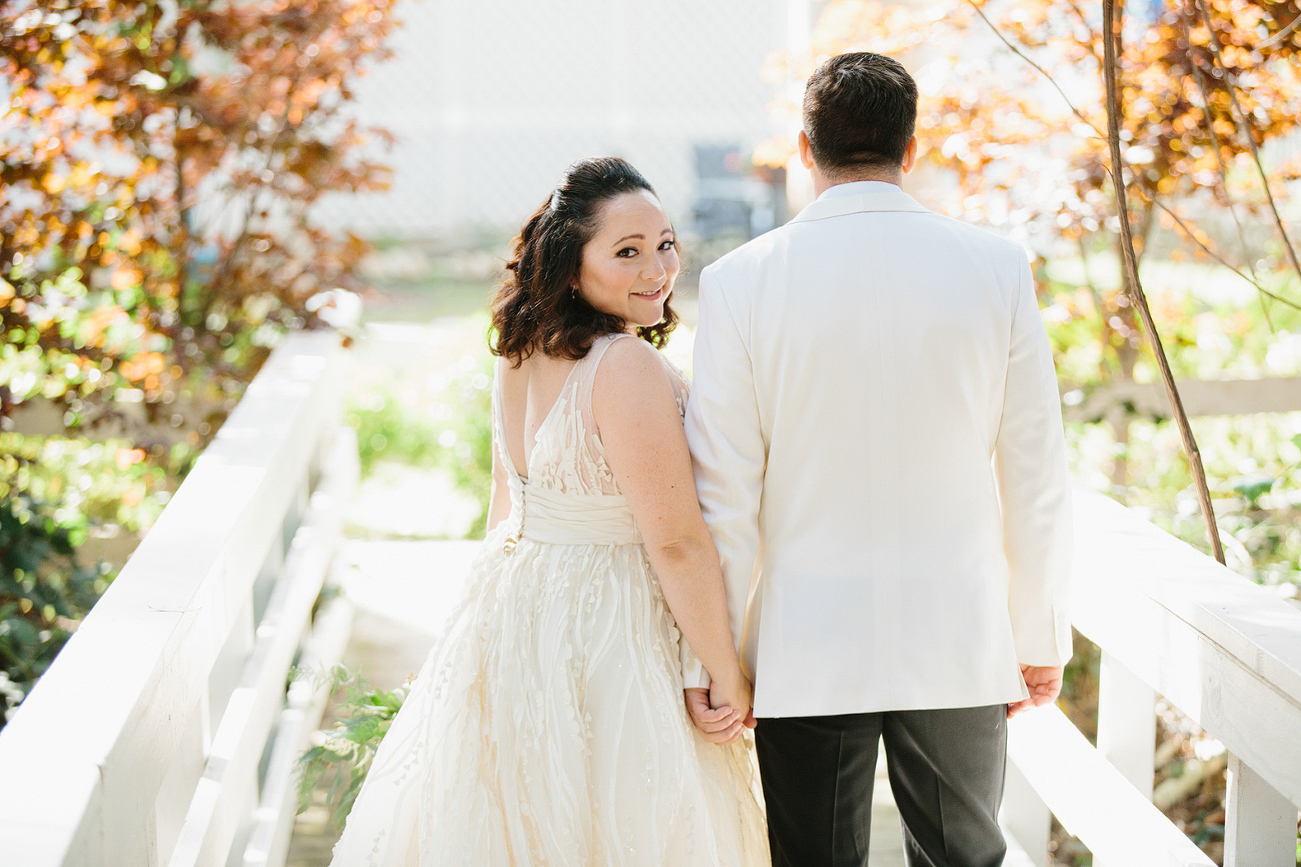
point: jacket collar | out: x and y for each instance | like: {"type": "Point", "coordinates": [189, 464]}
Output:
{"type": "Point", "coordinates": [857, 197]}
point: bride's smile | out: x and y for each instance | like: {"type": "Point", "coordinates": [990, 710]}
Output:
{"type": "Point", "coordinates": [629, 266]}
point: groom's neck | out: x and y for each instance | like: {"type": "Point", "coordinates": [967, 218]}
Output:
{"type": "Point", "coordinates": [821, 182]}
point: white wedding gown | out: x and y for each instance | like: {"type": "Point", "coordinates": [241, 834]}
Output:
{"type": "Point", "coordinates": [547, 725]}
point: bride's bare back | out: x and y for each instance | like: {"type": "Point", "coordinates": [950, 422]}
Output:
{"type": "Point", "coordinates": [529, 393]}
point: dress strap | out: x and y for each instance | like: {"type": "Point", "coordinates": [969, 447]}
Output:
{"type": "Point", "coordinates": [586, 378]}
{"type": "Point", "coordinates": [599, 346]}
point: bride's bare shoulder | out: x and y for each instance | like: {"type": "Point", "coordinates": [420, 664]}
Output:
{"type": "Point", "coordinates": [631, 374]}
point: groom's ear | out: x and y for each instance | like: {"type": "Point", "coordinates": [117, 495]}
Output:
{"type": "Point", "coordinates": [910, 155]}
{"type": "Point", "coordinates": [806, 150]}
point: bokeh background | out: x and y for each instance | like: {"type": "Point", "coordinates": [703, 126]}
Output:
{"type": "Point", "coordinates": [181, 184]}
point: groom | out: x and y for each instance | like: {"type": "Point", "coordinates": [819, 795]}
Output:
{"type": "Point", "coordinates": [878, 451]}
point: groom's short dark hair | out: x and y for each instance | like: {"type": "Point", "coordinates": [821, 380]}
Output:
{"type": "Point", "coordinates": [859, 112]}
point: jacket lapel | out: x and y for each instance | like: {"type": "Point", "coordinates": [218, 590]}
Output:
{"type": "Point", "coordinates": [838, 206]}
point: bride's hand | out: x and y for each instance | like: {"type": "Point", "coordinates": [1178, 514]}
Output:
{"type": "Point", "coordinates": [724, 711]}
{"type": "Point", "coordinates": [717, 725]}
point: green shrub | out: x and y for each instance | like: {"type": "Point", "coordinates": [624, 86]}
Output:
{"type": "Point", "coordinates": [465, 439]}
{"type": "Point", "coordinates": [44, 593]}
{"type": "Point", "coordinates": [459, 441]}
{"type": "Point", "coordinates": [345, 753]}
{"type": "Point", "coordinates": [386, 431]}
{"type": "Point", "coordinates": [54, 492]}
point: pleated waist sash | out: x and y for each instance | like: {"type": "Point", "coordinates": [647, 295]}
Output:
{"type": "Point", "coordinates": [547, 515]}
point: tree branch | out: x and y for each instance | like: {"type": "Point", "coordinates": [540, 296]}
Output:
{"type": "Point", "coordinates": [1200, 78]}
{"type": "Point", "coordinates": [1138, 175]}
{"type": "Point", "coordinates": [1079, 13]}
{"type": "Point", "coordinates": [1111, 37]}
{"type": "Point", "coordinates": [1280, 35]}
{"type": "Point", "coordinates": [1021, 54]}
{"type": "Point", "coordinates": [1216, 256]}
{"type": "Point", "coordinates": [1245, 127]}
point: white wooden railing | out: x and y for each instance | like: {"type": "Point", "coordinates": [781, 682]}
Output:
{"type": "Point", "coordinates": [1125, 399]}
{"type": "Point", "coordinates": [1225, 651]}
{"type": "Point", "coordinates": [163, 734]}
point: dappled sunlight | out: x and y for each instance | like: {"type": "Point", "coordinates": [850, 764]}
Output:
{"type": "Point", "coordinates": [247, 253]}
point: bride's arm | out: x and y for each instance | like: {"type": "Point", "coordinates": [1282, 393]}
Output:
{"type": "Point", "coordinates": [640, 428]}
{"type": "Point", "coordinates": [499, 499]}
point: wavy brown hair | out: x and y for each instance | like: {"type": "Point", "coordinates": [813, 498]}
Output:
{"type": "Point", "coordinates": [535, 307]}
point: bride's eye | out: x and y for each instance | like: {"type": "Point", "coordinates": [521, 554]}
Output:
{"type": "Point", "coordinates": [627, 252]}
{"type": "Point", "coordinates": [669, 244]}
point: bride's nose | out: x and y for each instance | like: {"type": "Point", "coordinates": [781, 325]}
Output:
{"type": "Point", "coordinates": [654, 271]}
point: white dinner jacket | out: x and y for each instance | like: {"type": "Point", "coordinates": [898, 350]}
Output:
{"type": "Point", "coordinates": [877, 439]}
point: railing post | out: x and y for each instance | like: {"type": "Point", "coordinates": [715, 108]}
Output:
{"type": "Point", "coordinates": [1260, 824]}
{"type": "Point", "coordinates": [1127, 723]}
{"type": "Point", "coordinates": [1025, 816]}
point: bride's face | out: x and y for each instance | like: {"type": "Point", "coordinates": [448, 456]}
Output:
{"type": "Point", "coordinates": [629, 265]}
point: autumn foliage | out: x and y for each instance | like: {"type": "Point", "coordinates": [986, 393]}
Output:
{"type": "Point", "coordinates": [158, 166]}
{"type": "Point", "coordinates": [1027, 146]}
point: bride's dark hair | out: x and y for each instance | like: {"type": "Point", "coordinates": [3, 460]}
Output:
{"type": "Point", "coordinates": [535, 307]}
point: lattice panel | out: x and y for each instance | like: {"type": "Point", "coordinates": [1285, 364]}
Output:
{"type": "Point", "coordinates": [491, 100]}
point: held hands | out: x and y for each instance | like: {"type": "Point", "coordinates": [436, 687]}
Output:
{"type": "Point", "coordinates": [715, 711]}
{"type": "Point", "coordinates": [1044, 683]}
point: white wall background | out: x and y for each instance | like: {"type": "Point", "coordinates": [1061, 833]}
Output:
{"type": "Point", "coordinates": [492, 99]}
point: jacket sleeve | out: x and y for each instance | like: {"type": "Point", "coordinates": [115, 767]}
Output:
{"type": "Point", "coordinates": [727, 448]}
{"type": "Point", "coordinates": [1034, 488]}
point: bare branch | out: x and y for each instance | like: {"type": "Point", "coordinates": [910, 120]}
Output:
{"type": "Point", "coordinates": [1200, 78]}
{"type": "Point", "coordinates": [1280, 35]}
{"type": "Point", "coordinates": [1245, 127]}
{"type": "Point", "coordinates": [1079, 13]}
{"type": "Point", "coordinates": [1021, 54]}
{"type": "Point", "coordinates": [1183, 227]}
{"type": "Point", "coordinates": [1111, 36]}
{"type": "Point", "coordinates": [1138, 175]}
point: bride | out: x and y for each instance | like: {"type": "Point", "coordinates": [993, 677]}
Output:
{"type": "Point", "coordinates": [548, 726]}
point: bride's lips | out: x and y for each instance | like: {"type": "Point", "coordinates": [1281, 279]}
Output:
{"type": "Point", "coordinates": [650, 296]}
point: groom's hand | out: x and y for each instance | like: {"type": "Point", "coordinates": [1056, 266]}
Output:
{"type": "Point", "coordinates": [1044, 683]}
{"type": "Point", "coordinates": [718, 726]}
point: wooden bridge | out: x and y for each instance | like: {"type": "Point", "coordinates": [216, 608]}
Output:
{"type": "Point", "coordinates": [167, 730]}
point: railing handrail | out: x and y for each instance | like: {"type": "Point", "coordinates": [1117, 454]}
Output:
{"type": "Point", "coordinates": [1230, 650]}
{"type": "Point", "coordinates": [1126, 398]}
{"type": "Point", "coordinates": [92, 753]}
{"type": "Point", "coordinates": [1225, 651]}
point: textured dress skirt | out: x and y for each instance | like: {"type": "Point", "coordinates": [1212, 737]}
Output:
{"type": "Point", "coordinates": [547, 724]}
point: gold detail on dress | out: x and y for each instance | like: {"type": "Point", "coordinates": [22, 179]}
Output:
{"type": "Point", "coordinates": [511, 541]}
